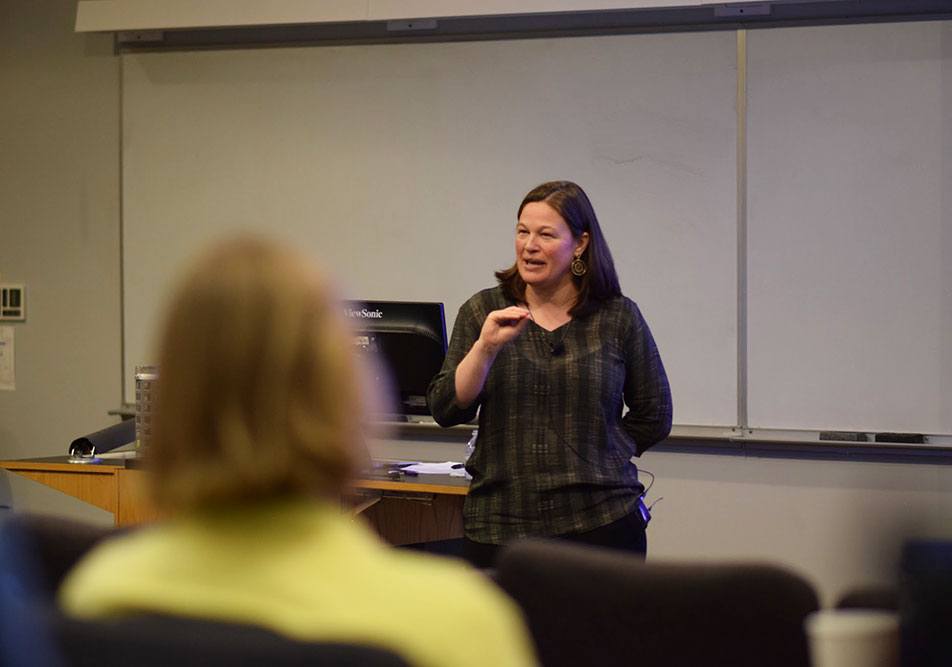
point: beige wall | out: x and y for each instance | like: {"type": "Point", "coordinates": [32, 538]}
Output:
{"type": "Point", "coordinates": [59, 215]}
{"type": "Point", "coordinates": [838, 522]}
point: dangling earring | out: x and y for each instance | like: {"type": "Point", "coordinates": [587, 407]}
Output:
{"type": "Point", "coordinates": [578, 267]}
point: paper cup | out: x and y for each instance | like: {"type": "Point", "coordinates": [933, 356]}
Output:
{"type": "Point", "coordinates": [853, 638]}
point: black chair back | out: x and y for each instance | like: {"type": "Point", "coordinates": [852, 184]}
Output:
{"type": "Point", "coordinates": [589, 606]}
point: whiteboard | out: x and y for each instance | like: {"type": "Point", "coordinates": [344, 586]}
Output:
{"type": "Point", "coordinates": [400, 166]}
{"type": "Point", "coordinates": [850, 227]}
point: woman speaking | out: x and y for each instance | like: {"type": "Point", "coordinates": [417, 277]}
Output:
{"type": "Point", "coordinates": [550, 357]}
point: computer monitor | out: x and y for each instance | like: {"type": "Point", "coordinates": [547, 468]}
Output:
{"type": "Point", "coordinates": [408, 338]}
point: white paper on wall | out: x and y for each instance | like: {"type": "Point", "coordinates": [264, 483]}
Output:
{"type": "Point", "coordinates": [7, 371]}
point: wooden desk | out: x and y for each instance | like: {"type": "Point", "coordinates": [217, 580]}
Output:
{"type": "Point", "coordinates": [423, 509]}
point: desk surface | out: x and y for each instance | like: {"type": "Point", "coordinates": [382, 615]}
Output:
{"type": "Point", "coordinates": [407, 510]}
{"type": "Point", "coordinates": [443, 484]}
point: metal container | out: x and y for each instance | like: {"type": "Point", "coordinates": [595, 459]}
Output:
{"type": "Point", "coordinates": [146, 377]}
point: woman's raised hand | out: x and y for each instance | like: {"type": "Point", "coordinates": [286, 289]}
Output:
{"type": "Point", "coordinates": [502, 326]}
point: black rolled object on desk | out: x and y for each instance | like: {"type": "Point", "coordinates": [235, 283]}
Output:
{"type": "Point", "coordinates": [104, 440]}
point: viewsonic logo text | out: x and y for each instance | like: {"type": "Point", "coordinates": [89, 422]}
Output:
{"type": "Point", "coordinates": [364, 313]}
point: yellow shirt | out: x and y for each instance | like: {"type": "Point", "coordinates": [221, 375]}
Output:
{"type": "Point", "coordinates": [304, 569]}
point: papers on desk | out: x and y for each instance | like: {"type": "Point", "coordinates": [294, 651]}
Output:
{"type": "Point", "coordinates": [452, 468]}
{"type": "Point", "coordinates": [394, 469]}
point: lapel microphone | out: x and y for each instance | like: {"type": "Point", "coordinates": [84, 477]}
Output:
{"type": "Point", "coordinates": [558, 347]}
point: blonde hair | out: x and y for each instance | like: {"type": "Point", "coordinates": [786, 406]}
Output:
{"type": "Point", "coordinates": [257, 395]}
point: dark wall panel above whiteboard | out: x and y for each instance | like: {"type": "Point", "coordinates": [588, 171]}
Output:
{"type": "Point", "coordinates": [401, 166]}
